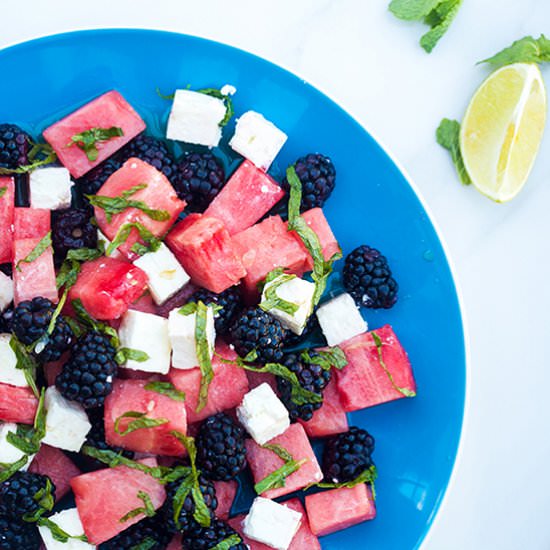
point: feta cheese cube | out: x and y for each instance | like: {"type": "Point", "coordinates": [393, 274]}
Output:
{"type": "Point", "coordinates": [50, 188]}
{"type": "Point", "coordinates": [10, 453]}
{"type": "Point", "coordinates": [70, 522]}
{"type": "Point", "coordinates": [165, 274]}
{"type": "Point", "coordinates": [6, 291]}
{"type": "Point", "coordinates": [181, 329]}
{"type": "Point", "coordinates": [271, 523]}
{"type": "Point", "coordinates": [148, 333]}
{"type": "Point", "coordinates": [228, 89]}
{"type": "Point", "coordinates": [67, 423]}
{"type": "Point", "coordinates": [340, 319]}
{"type": "Point", "coordinates": [9, 373]}
{"type": "Point", "coordinates": [263, 414]}
{"type": "Point", "coordinates": [195, 118]}
{"type": "Point", "coordinates": [257, 139]}
{"type": "Point", "coordinates": [295, 291]}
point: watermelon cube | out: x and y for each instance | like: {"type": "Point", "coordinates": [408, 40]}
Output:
{"type": "Point", "coordinates": [105, 496]}
{"type": "Point", "coordinates": [364, 382]}
{"type": "Point", "coordinates": [225, 493]}
{"type": "Point", "coordinates": [256, 379]}
{"type": "Point", "coordinates": [245, 198]}
{"type": "Point", "coordinates": [226, 390]}
{"type": "Point", "coordinates": [175, 543]}
{"type": "Point", "coordinates": [131, 395]}
{"type": "Point", "coordinates": [107, 287]}
{"type": "Point", "coordinates": [205, 250]}
{"type": "Point", "coordinates": [263, 462]}
{"type": "Point", "coordinates": [31, 223]}
{"type": "Point", "coordinates": [106, 111]}
{"type": "Point", "coordinates": [337, 509]}
{"type": "Point", "coordinates": [158, 195]}
{"type": "Point", "coordinates": [55, 464]}
{"type": "Point", "coordinates": [7, 205]}
{"type": "Point", "coordinates": [17, 404]}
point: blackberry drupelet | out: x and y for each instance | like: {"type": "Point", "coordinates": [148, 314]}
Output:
{"type": "Point", "coordinates": [199, 178]}
{"type": "Point", "coordinates": [6, 319]}
{"type": "Point", "coordinates": [72, 229]}
{"type": "Point", "coordinates": [88, 374]}
{"type": "Point", "coordinates": [91, 182]}
{"type": "Point", "coordinates": [311, 377]}
{"type": "Point", "coordinates": [21, 494]}
{"type": "Point", "coordinates": [14, 146]}
{"type": "Point", "coordinates": [347, 455]}
{"type": "Point", "coordinates": [18, 535]}
{"type": "Point", "coordinates": [318, 177]}
{"type": "Point", "coordinates": [151, 150]}
{"type": "Point", "coordinates": [230, 302]}
{"type": "Point", "coordinates": [208, 537]}
{"type": "Point", "coordinates": [148, 529]}
{"type": "Point", "coordinates": [221, 453]}
{"type": "Point", "coordinates": [30, 323]}
{"type": "Point", "coordinates": [368, 278]}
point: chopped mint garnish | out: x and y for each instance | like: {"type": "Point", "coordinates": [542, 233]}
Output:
{"type": "Point", "coordinates": [448, 136]}
{"type": "Point", "coordinates": [367, 476]}
{"type": "Point", "coordinates": [277, 478]}
{"type": "Point", "coordinates": [228, 543]}
{"type": "Point", "coordinates": [226, 98]}
{"type": "Point", "coordinates": [272, 300]}
{"type": "Point", "coordinates": [7, 470]}
{"type": "Point", "coordinates": [146, 544]}
{"type": "Point", "coordinates": [45, 500]}
{"type": "Point", "coordinates": [92, 323]}
{"type": "Point", "coordinates": [37, 251]}
{"type": "Point", "coordinates": [88, 140]}
{"type": "Point", "coordinates": [128, 354]}
{"type": "Point", "coordinates": [525, 50]}
{"type": "Point", "coordinates": [70, 268]}
{"type": "Point", "coordinates": [25, 361]}
{"type": "Point", "coordinates": [204, 353]}
{"type": "Point", "coordinates": [151, 243]}
{"type": "Point", "coordinates": [148, 509]}
{"type": "Point", "coordinates": [39, 155]}
{"type": "Point", "coordinates": [141, 421]}
{"type": "Point", "coordinates": [329, 358]}
{"type": "Point", "coordinates": [3, 191]}
{"type": "Point", "coordinates": [58, 533]}
{"type": "Point", "coordinates": [166, 388]}
{"type": "Point", "coordinates": [28, 438]}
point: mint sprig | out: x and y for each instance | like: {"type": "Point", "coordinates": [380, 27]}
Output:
{"type": "Point", "coordinates": [166, 388]}
{"type": "Point", "coordinates": [88, 140]}
{"type": "Point", "coordinates": [277, 478]}
{"type": "Point", "coordinates": [124, 355]}
{"type": "Point", "coordinates": [525, 50]}
{"type": "Point", "coordinates": [142, 421]}
{"type": "Point", "coordinates": [41, 247]}
{"type": "Point", "coordinates": [448, 136]}
{"type": "Point", "coordinates": [148, 509]}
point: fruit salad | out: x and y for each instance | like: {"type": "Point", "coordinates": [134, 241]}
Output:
{"type": "Point", "coordinates": [167, 338]}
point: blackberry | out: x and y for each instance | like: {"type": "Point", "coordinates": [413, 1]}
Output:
{"type": "Point", "coordinates": [254, 329]}
{"type": "Point", "coordinates": [208, 537]}
{"type": "Point", "coordinates": [72, 229]}
{"type": "Point", "coordinates": [148, 529]}
{"type": "Point", "coordinates": [199, 178]}
{"type": "Point", "coordinates": [14, 146]}
{"type": "Point", "coordinates": [88, 374]}
{"type": "Point", "coordinates": [151, 150]}
{"type": "Point", "coordinates": [24, 494]}
{"type": "Point", "coordinates": [318, 176]}
{"type": "Point", "coordinates": [311, 377]}
{"type": "Point", "coordinates": [229, 301]}
{"type": "Point", "coordinates": [347, 455]}
{"type": "Point", "coordinates": [368, 278]}
{"type": "Point", "coordinates": [6, 269]}
{"type": "Point", "coordinates": [221, 454]}
{"type": "Point", "coordinates": [30, 323]}
{"type": "Point", "coordinates": [6, 319]}
{"type": "Point", "coordinates": [18, 535]}
{"type": "Point", "coordinates": [91, 182]}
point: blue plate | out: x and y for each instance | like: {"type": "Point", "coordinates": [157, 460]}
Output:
{"type": "Point", "coordinates": [416, 439]}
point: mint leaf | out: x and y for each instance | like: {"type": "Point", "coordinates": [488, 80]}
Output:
{"type": "Point", "coordinates": [58, 533]}
{"type": "Point", "coordinates": [88, 140]}
{"type": "Point", "coordinates": [228, 543]}
{"type": "Point", "coordinates": [70, 268]}
{"type": "Point", "coordinates": [25, 361]}
{"type": "Point", "coordinates": [227, 100]}
{"type": "Point", "coordinates": [3, 191]}
{"type": "Point", "coordinates": [439, 19]}
{"type": "Point", "coordinates": [37, 251]}
{"type": "Point", "coordinates": [166, 388]}
{"type": "Point", "coordinates": [146, 544]}
{"type": "Point", "coordinates": [147, 509]}
{"type": "Point", "coordinates": [367, 476]}
{"type": "Point", "coordinates": [152, 244]}
{"type": "Point", "coordinates": [92, 323]}
{"type": "Point", "coordinates": [448, 136]}
{"type": "Point", "coordinates": [43, 150]}
{"type": "Point", "coordinates": [7, 470]}
{"type": "Point", "coordinates": [204, 354]}
{"type": "Point", "coordinates": [188, 309]}
{"type": "Point", "coordinates": [141, 421]}
{"type": "Point", "coordinates": [128, 354]}
{"type": "Point", "coordinates": [27, 439]}
{"type": "Point", "coordinates": [412, 10]}
{"type": "Point", "coordinates": [279, 450]}
{"type": "Point", "coordinates": [272, 300]}
{"type": "Point", "coordinates": [525, 50]}
{"type": "Point", "coordinates": [330, 358]}
{"type": "Point", "coordinates": [277, 478]}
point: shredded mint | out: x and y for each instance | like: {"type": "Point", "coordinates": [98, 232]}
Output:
{"type": "Point", "coordinates": [141, 421]}
{"type": "Point", "coordinates": [204, 353]}
{"type": "Point", "coordinates": [367, 476]}
{"type": "Point", "coordinates": [151, 243]}
{"type": "Point", "coordinates": [448, 136]}
{"type": "Point", "coordinates": [3, 191]}
{"type": "Point", "coordinates": [166, 388]}
{"type": "Point", "coordinates": [88, 140]}
{"type": "Point", "coordinates": [70, 268]}
{"type": "Point", "coordinates": [228, 543]}
{"type": "Point", "coordinates": [277, 478]}
{"type": "Point", "coordinates": [188, 309]}
{"type": "Point", "coordinates": [39, 155]}
{"type": "Point", "coordinates": [273, 301]}
{"type": "Point", "coordinates": [227, 100]}
{"type": "Point", "coordinates": [25, 361]}
{"type": "Point", "coordinates": [124, 355]}
{"type": "Point", "coordinates": [525, 50]}
{"type": "Point", "coordinates": [168, 97]}
{"type": "Point", "coordinates": [43, 245]}
{"type": "Point", "coordinates": [148, 509]}
{"type": "Point", "coordinates": [279, 450]}
{"type": "Point", "coordinates": [92, 323]}
{"type": "Point", "coordinates": [7, 470]}
{"type": "Point", "coordinates": [45, 500]}
{"type": "Point", "coordinates": [329, 358]}
{"type": "Point", "coordinates": [146, 544]}
{"type": "Point", "coordinates": [58, 533]}
{"type": "Point", "coordinates": [27, 439]}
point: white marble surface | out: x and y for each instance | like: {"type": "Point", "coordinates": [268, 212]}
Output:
{"type": "Point", "coordinates": [370, 63]}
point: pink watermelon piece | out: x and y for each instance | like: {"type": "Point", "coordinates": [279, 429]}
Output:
{"type": "Point", "coordinates": [55, 464]}
{"type": "Point", "coordinates": [225, 493]}
{"type": "Point", "coordinates": [363, 382]}
{"type": "Point", "coordinates": [337, 509]}
{"type": "Point", "coordinates": [31, 223]}
{"type": "Point", "coordinates": [106, 111]}
{"type": "Point", "coordinates": [263, 462]}
{"type": "Point", "coordinates": [7, 205]}
{"type": "Point", "coordinates": [331, 418]}
{"type": "Point", "coordinates": [107, 287]}
{"type": "Point", "coordinates": [246, 197]}
{"type": "Point", "coordinates": [204, 248]}
{"type": "Point", "coordinates": [131, 395]}
{"type": "Point", "coordinates": [256, 379]}
{"type": "Point", "coordinates": [226, 390]}
{"type": "Point", "coordinates": [17, 404]}
{"type": "Point", "coordinates": [175, 543]}
{"type": "Point", "coordinates": [158, 195]}
{"type": "Point", "coordinates": [105, 496]}
{"type": "Point", "coordinates": [145, 304]}
{"type": "Point", "coordinates": [53, 368]}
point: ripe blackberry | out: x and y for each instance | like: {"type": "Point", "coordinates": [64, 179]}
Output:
{"type": "Point", "coordinates": [6, 319]}
{"type": "Point", "coordinates": [230, 302]}
{"type": "Point", "coordinates": [14, 146]}
{"type": "Point", "coordinates": [368, 278]}
{"type": "Point", "coordinates": [199, 178]}
{"type": "Point", "coordinates": [23, 494]}
{"type": "Point", "coordinates": [347, 455]}
{"type": "Point", "coordinates": [318, 177]}
{"type": "Point", "coordinates": [311, 377]}
{"type": "Point", "coordinates": [18, 535]}
{"type": "Point", "coordinates": [254, 329]}
{"type": "Point", "coordinates": [72, 229]}
{"type": "Point", "coordinates": [151, 150]}
{"type": "Point", "coordinates": [7, 269]}
{"type": "Point", "coordinates": [91, 182]}
{"type": "Point", "coordinates": [221, 454]}
{"type": "Point", "coordinates": [88, 374]}
{"type": "Point", "coordinates": [30, 323]}
{"type": "Point", "coordinates": [208, 537]}
{"type": "Point", "coordinates": [148, 529]}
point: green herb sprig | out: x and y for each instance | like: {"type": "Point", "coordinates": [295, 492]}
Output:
{"type": "Point", "coordinates": [142, 421]}
{"type": "Point", "coordinates": [88, 140]}
{"type": "Point", "coordinates": [277, 478]}
{"type": "Point", "coordinates": [123, 355]}
{"type": "Point", "coordinates": [525, 50]}
{"type": "Point", "coordinates": [448, 136]}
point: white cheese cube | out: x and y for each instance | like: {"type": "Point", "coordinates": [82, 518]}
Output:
{"type": "Point", "coordinates": [165, 274]}
{"type": "Point", "coordinates": [6, 291]}
{"type": "Point", "coordinates": [271, 523]}
{"type": "Point", "coordinates": [148, 333]}
{"type": "Point", "coordinates": [295, 291]}
{"type": "Point", "coordinates": [257, 139]}
{"type": "Point", "coordinates": [10, 453]}
{"type": "Point", "coordinates": [67, 424]}
{"type": "Point", "coordinates": [340, 319]}
{"type": "Point", "coordinates": [263, 414]}
{"type": "Point", "coordinates": [50, 188]}
{"type": "Point", "coordinates": [195, 118]}
{"type": "Point", "coordinates": [9, 373]}
{"type": "Point", "coordinates": [70, 522]}
{"type": "Point", "coordinates": [228, 89]}
{"type": "Point", "coordinates": [181, 329]}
